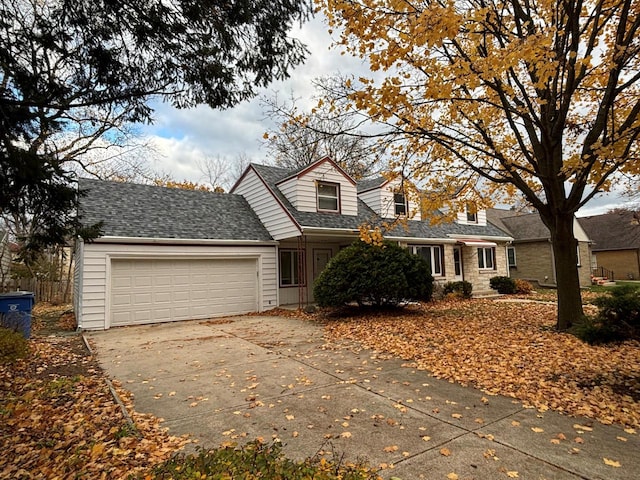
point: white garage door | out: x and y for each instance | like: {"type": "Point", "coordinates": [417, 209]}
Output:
{"type": "Point", "coordinates": [151, 291]}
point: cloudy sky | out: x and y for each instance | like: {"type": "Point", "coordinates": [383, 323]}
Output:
{"type": "Point", "coordinates": [182, 137]}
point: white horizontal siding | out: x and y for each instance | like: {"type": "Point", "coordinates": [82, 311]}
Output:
{"type": "Point", "coordinates": [96, 269]}
{"type": "Point", "coordinates": [290, 191]}
{"type": "Point", "coordinates": [481, 215]}
{"type": "Point", "coordinates": [269, 211]}
{"type": "Point", "coordinates": [326, 172]}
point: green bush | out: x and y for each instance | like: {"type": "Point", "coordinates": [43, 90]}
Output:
{"type": "Point", "coordinates": [505, 285]}
{"type": "Point", "coordinates": [461, 289]}
{"type": "Point", "coordinates": [381, 275]}
{"type": "Point", "coordinates": [617, 319]}
{"type": "Point", "coordinates": [254, 460]}
{"type": "Point", "coordinates": [12, 346]}
{"type": "Point", "coordinates": [594, 332]}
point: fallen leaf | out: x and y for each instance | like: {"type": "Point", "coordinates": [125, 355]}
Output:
{"type": "Point", "coordinates": [445, 452]}
{"type": "Point", "coordinates": [582, 427]}
{"type": "Point", "coordinates": [537, 429]}
{"type": "Point", "coordinates": [452, 476]}
{"type": "Point", "coordinates": [515, 423]}
{"type": "Point", "coordinates": [345, 434]}
{"type": "Point", "coordinates": [512, 474]}
{"type": "Point", "coordinates": [611, 463]}
{"type": "Point", "coordinates": [456, 415]}
{"type": "Point", "coordinates": [622, 439]}
{"type": "Point", "coordinates": [391, 448]}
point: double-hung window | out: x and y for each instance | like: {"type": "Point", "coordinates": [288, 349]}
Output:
{"type": "Point", "coordinates": [400, 203]}
{"type": "Point", "coordinates": [433, 255]}
{"type": "Point", "coordinates": [486, 258]}
{"type": "Point", "coordinates": [291, 268]}
{"type": "Point", "coordinates": [472, 213]}
{"type": "Point", "coordinates": [511, 256]}
{"type": "Point", "coordinates": [328, 197]}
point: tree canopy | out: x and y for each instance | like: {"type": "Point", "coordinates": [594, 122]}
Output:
{"type": "Point", "coordinates": [74, 74]}
{"type": "Point", "coordinates": [503, 96]}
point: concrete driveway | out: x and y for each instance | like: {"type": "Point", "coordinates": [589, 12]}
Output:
{"type": "Point", "coordinates": [239, 378]}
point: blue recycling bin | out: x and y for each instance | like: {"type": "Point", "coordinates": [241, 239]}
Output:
{"type": "Point", "coordinates": [15, 311]}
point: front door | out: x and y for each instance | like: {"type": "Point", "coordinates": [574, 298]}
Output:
{"type": "Point", "coordinates": [321, 257]}
{"type": "Point", "coordinates": [457, 263]}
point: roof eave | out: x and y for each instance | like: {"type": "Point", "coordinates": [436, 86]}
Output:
{"type": "Point", "coordinates": [179, 241]}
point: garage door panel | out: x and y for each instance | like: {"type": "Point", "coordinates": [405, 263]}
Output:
{"type": "Point", "coordinates": [155, 290]}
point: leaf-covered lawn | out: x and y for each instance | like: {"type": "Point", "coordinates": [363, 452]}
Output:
{"type": "Point", "coordinates": [58, 419]}
{"type": "Point", "coordinates": [510, 349]}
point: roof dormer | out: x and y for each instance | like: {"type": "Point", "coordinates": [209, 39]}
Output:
{"type": "Point", "coordinates": [472, 215]}
{"type": "Point", "coordinates": [388, 198]}
{"type": "Point", "coordinates": [321, 187]}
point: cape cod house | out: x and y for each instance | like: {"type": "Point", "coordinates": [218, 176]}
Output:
{"type": "Point", "coordinates": [169, 254]}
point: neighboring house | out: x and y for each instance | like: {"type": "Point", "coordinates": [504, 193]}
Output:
{"type": "Point", "coordinates": [171, 254]}
{"type": "Point", "coordinates": [5, 261]}
{"type": "Point", "coordinates": [530, 256]}
{"type": "Point", "coordinates": [616, 244]}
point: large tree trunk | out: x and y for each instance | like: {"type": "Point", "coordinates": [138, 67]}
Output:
{"type": "Point", "coordinates": [565, 252]}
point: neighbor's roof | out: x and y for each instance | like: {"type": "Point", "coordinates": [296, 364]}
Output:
{"type": "Point", "coordinates": [613, 231]}
{"type": "Point", "coordinates": [148, 211]}
{"type": "Point", "coordinates": [413, 229]}
{"type": "Point", "coordinates": [521, 226]}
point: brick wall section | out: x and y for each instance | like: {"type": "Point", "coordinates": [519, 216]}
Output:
{"type": "Point", "coordinates": [480, 278]}
{"type": "Point", "coordinates": [584, 270]}
{"type": "Point", "coordinates": [534, 262]}
{"type": "Point", "coordinates": [622, 262]}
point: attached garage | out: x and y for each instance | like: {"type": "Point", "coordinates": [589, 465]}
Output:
{"type": "Point", "coordinates": [170, 255]}
{"type": "Point", "coordinates": [157, 290]}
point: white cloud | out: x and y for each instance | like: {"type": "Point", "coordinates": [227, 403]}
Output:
{"type": "Point", "coordinates": [182, 136]}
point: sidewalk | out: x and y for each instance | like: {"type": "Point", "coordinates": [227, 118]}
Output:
{"type": "Point", "coordinates": [232, 380]}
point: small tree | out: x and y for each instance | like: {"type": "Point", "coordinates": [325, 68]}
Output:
{"type": "Point", "coordinates": [382, 274]}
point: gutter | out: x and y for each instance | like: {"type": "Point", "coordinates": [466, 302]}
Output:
{"type": "Point", "coordinates": [181, 241]}
{"type": "Point", "coordinates": [483, 237]}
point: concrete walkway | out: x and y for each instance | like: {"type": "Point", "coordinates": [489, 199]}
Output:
{"type": "Point", "coordinates": [240, 378]}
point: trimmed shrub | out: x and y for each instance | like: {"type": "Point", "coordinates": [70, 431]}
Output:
{"type": "Point", "coordinates": [618, 318]}
{"type": "Point", "coordinates": [381, 275]}
{"type": "Point", "coordinates": [253, 460]}
{"type": "Point", "coordinates": [505, 285]}
{"type": "Point", "coordinates": [462, 289]}
{"type": "Point", "coordinates": [13, 346]}
{"type": "Point", "coordinates": [523, 287]}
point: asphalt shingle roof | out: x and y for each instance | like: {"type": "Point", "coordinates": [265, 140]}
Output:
{"type": "Point", "coordinates": [414, 229]}
{"type": "Point", "coordinates": [613, 231]}
{"type": "Point", "coordinates": [524, 226]}
{"type": "Point", "coordinates": [148, 211]}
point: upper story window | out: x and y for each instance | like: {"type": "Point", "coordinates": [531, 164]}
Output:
{"type": "Point", "coordinates": [400, 203]}
{"type": "Point", "coordinates": [472, 213]}
{"type": "Point", "coordinates": [328, 197]}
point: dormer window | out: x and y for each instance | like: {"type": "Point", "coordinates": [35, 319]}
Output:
{"type": "Point", "coordinates": [400, 203]}
{"type": "Point", "coordinates": [328, 197]}
{"type": "Point", "coordinates": [472, 213]}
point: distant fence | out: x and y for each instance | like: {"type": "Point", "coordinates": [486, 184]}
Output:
{"type": "Point", "coordinates": [46, 291]}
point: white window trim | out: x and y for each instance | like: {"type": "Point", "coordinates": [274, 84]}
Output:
{"type": "Point", "coordinates": [336, 197]}
{"type": "Point", "coordinates": [515, 258]}
{"type": "Point", "coordinates": [433, 248]}
{"type": "Point", "coordinates": [472, 218]}
{"type": "Point", "coordinates": [404, 204]}
{"type": "Point", "coordinates": [483, 256]}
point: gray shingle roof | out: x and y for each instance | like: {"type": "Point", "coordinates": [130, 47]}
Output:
{"type": "Point", "coordinates": [414, 229]}
{"type": "Point", "coordinates": [368, 184]}
{"type": "Point", "coordinates": [521, 226]}
{"type": "Point", "coordinates": [613, 231]}
{"type": "Point", "coordinates": [131, 210]}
